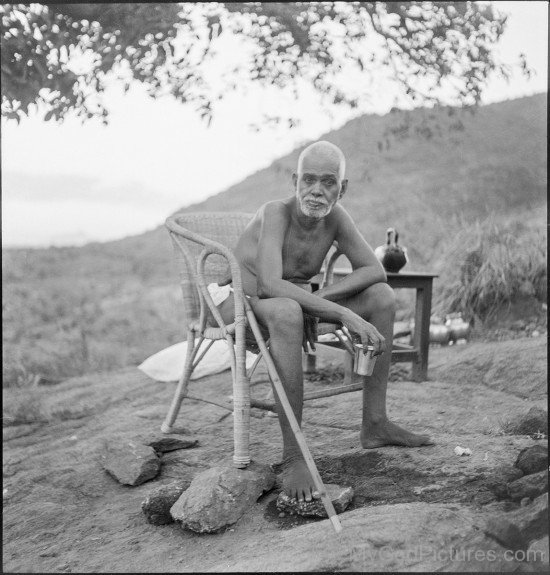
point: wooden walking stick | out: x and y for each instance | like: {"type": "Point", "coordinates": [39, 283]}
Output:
{"type": "Point", "coordinates": [300, 439]}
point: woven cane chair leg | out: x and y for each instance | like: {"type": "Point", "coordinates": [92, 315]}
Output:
{"type": "Point", "coordinates": [181, 390]}
{"type": "Point", "coordinates": [241, 399]}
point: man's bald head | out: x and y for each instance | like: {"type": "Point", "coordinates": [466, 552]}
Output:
{"type": "Point", "coordinates": [323, 153]}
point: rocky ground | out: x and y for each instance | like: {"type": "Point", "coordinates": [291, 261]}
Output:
{"type": "Point", "coordinates": [421, 509]}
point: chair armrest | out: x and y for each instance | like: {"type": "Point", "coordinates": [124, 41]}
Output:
{"type": "Point", "coordinates": [220, 249]}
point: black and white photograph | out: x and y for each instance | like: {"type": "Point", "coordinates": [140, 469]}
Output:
{"type": "Point", "coordinates": [274, 287]}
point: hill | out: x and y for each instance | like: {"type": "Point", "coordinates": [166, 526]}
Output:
{"type": "Point", "coordinates": [492, 161]}
{"type": "Point", "coordinates": [72, 310]}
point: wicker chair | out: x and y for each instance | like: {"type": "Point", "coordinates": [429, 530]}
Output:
{"type": "Point", "coordinates": [203, 245]}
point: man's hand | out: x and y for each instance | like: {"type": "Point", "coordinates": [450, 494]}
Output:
{"type": "Point", "coordinates": [310, 331]}
{"type": "Point", "coordinates": [366, 331]}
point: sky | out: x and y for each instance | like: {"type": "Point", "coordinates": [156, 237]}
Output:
{"type": "Point", "coordinates": [71, 183]}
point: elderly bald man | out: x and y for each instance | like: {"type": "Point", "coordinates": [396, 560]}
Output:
{"type": "Point", "coordinates": [281, 249]}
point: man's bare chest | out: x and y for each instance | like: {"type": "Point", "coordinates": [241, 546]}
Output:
{"type": "Point", "coordinates": [303, 253]}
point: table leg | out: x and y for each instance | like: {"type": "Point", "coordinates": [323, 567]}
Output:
{"type": "Point", "coordinates": [422, 331]}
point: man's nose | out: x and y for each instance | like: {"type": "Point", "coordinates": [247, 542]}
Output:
{"type": "Point", "coordinates": [316, 190]}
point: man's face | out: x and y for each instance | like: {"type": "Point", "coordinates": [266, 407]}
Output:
{"type": "Point", "coordinates": [318, 185]}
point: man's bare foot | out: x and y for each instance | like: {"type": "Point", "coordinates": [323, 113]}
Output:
{"type": "Point", "coordinates": [297, 481]}
{"type": "Point", "coordinates": [388, 433]}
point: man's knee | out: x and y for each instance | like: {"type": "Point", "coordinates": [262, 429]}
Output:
{"type": "Point", "coordinates": [285, 315]}
{"type": "Point", "coordinates": [381, 297]}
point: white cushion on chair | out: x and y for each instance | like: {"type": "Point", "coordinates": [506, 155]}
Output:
{"type": "Point", "coordinates": [167, 364]}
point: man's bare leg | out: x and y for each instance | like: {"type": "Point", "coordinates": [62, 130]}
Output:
{"type": "Point", "coordinates": [376, 304]}
{"type": "Point", "coordinates": [284, 320]}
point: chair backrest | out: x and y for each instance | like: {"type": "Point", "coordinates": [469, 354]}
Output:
{"type": "Point", "coordinates": [222, 227]}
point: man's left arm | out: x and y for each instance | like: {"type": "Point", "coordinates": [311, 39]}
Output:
{"type": "Point", "coordinates": [366, 268]}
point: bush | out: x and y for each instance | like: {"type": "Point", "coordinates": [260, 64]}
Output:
{"type": "Point", "coordinates": [491, 264]}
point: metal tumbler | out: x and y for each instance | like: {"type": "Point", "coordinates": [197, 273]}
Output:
{"type": "Point", "coordinates": [364, 360]}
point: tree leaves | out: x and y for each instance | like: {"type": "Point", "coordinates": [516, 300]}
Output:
{"type": "Point", "coordinates": [165, 46]}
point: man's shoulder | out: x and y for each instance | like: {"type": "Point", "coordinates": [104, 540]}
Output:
{"type": "Point", "coordinates": [340, 214]}
{"type": "Point", "coordinates": [274, 208]}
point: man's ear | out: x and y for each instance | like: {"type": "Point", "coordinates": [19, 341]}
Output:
{"type": "Point", "coordinates": [344, 188]}
{"type": "Point", "coordinates": [295, 180]}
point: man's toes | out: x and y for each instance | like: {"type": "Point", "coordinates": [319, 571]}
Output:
{"type": "Point", "coordinates": [316, 494]}
{"type": "Point", "coordinates": [308, 495]}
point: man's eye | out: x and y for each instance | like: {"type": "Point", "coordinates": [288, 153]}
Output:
{"type": "Point", "coordinates": [309, 179]}
{"type": "Point", "coordinates": [329, 181]}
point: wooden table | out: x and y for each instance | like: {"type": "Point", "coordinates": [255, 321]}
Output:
{"type": "Point", "coordinates": [417, 353]}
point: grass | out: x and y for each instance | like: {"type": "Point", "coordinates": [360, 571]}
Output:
{"type": "Point", "coordinates": [65, 328]}
{"type": "Point", "coordinates": [489, 265]}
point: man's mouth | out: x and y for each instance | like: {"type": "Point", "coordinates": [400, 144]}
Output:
{"type": "Point", "coordinates": [316, 204]}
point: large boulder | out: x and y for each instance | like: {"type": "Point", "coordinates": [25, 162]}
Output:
{"type": "Point", "coordinates": [128, 462]}
{"type": "Point", "coordinates": [528, 486]}
{"type": "Point", "coordinates": [156, 506]}
{"type": "Point", "coordinates": [220, 496]}
{"type": "Point", "coordinates": [340, 496]}
{"type": "Point", "coordinates": [532, 459]}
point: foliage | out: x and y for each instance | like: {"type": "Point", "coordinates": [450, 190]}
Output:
{"type": "Point", "coordinates": [62, 56]}
{"type": "Point", "coordinates": [70, 326]}
{"type": "Point", "coordinates": [490, 264]}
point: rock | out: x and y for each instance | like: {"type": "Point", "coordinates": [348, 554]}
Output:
{"type": "Point", "coordinates": [528, 486]}
{"type": "Point", "coordinates": [484, 498]}
{"type": "Point", "coordinates": [525, 501]}
{"type": "Point", "coordinates": [220, 496]}
{"type": "Point", "coordinates": [532, 459]}
{"type": "Point", "coordinates": [156, 506]}
{"type": "Point", "coordinates": [128, 462]}
{"type": "Point", "coordinates": [340, 497]}
{"type": "Point", "coordinates": [498, 480]}
{"type": "Point", "coordinates": [462, 451]}
{"type": "Point", "coordinates": [538, 550]}
{"type": "Point", "coordinates": [517, 529]}
{"type": "Point", "coordinates": [534, 421]}
{"type": "Point", "coordinates": [506, 533]}
{"type": "Point", "coordinates": [533, 519]}
{"type": "Point", "coordinates": [165, 443]}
